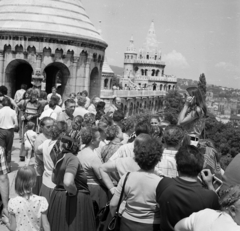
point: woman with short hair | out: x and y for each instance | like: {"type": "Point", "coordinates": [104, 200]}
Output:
{"type": "Point", "coordinates": [141, 212]}
{"type": "Point", "coordinates": [91, 163]}
{"type": "Point", "coordinates": [50, 149]}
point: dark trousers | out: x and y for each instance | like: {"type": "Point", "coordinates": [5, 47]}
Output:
{"type": "Point", "coordinates": [6, 141]}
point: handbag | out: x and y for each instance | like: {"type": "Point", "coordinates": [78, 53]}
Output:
{"type": "Point", "coordinates": [114, 224]}
{"type": "Point", "coordinates": [102, 217]}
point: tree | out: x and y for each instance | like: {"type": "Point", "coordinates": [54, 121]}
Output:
{"type": "Point", "coordinates": [173, 104]}
{"type": "Point", "coordinates": [202, 85]}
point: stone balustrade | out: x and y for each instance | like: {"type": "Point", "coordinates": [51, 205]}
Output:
{"type": "Point", "coordinates": [131, 93]}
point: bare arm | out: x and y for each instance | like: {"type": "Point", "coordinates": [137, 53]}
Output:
{"type": "Point", "coordinates": [4, 190]}
{"type": "Point", "coordinates": [96, 163]}
{"type": "Point", "coordinates": [114, 204]}
{"type": "Point", "coordinates": [45, 223]}
{"type": "Point", "coordinates": [69, 183]}
{"type": "Point", "coordinates": [10, 222]}
{"type": "Point", "coordinates": [104, 170]}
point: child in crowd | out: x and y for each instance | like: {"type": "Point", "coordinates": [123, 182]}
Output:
{"type": "Point", "coordinates": [27, 212]}
{"type": "Point", "coordinates": [29, 139]}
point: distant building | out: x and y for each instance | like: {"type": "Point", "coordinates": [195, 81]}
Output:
{"type": "Point", "coordinates": [144, 82]}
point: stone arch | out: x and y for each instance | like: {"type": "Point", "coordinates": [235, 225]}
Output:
{"type": "Point", "coordinates": [154, 86]}
{"type": "Point", "coordinates": [18, 72]}
{"type": "Point", "coordinates": [94, 88]}
{"type": "Point", "coordinates": [106, 83]}
{"type": "Point", "coordinates": [19, 48]}
{"type": "Point", "coordinates": [57, 75]}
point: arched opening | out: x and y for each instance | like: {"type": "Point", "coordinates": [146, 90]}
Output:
{"type": "Point", "coordinates": [95, 84]}
{"type": "Point", "coordinates": [147, 56]}
{"type": "Point", "coordinates": [57, 75]}
{"type": "Point", "coordinates": [161, 87]}
{"type": "Point", "coordinates": [142, 71]}
{"type": "Point", "coordinates": [137, 109]}
{"type": "Point", "coordinates": [154, 86]}
{"type": "Point", "coordinates": [145, 105]}
{"type": "Point", "coordinates": [157, 72]}
{"type": "Point", "coordinates": [18, 72]}
{"type": "Point", "coordinates": [153, 72]}
{"type": "Point", "coordinates": [125, 110]}
{"type": "Point", "coordinates": [169, 87]}
{"type": "Point", "coordinates": [105, 83]}
{"type": "Point", "coordinates": [146, 72]}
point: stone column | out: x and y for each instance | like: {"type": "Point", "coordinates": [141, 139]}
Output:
{"type": "Point", "coordinates": [39, 61]}
{"type": "Point", "coordinates": [2, 67]}
{"type": "Point", "coordinates": [74, 74]}
{"type": "Point", "coordinates": [87, 72]}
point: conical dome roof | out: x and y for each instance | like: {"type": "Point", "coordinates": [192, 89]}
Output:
{"type": "Point", "coordinates": [65, 18]}
{"type": "Point", "coordinates": [106, 68]}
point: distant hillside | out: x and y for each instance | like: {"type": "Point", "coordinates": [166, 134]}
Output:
{"type": "Point", "coordinates": [117, 70]}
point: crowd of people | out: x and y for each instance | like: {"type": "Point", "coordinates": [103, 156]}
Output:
{"type": "Point", "coordinates": [89, 159]}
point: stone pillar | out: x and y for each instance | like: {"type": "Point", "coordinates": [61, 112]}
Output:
{"type": "Point", "coordinates": [74, 74]}
{"type": "Point", "coordinates": [2, 68]}
{"type": "Point", "coordinates": [87, 72]}
{"type": "Point", "coordinates": [39, 61]}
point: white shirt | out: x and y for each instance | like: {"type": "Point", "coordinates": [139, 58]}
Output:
{"type": "Point", "coordinates": [80, 111]}
{"type": "Point", "coordinates": [125, 150]}
{"type": "Point", "coordinates": [48, 113]}
{"type": "Point", "coordinates": [46, 148]}
{"type": "Point", "coordinates": [28, 212]}
{"type": "Point", "coordinates": [210, 220]}
{"type": "Point", "coordinates": [19, 95]}
{"type": "Point", "coordinates": [92, 109]}
{"type": "Point", "coordinates": [60, 98]}
{"type": "Point", "coordinates": [57, 109]}
{"type": "Point", "coordinates": [29, 139]}
{"type": "Point", "coordinates": [8, 118]}
{"type": "Point", "coordinates": [167, 166]}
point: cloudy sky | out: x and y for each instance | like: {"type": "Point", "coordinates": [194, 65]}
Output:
{"type": "Point", "coordinates": [195, 36]}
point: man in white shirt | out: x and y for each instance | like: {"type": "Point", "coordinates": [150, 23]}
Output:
{"type": "Point", "coordinates": [80, 110]}
{"type": "Point", "coordinates": [126, 150]}
{"type": "Point", "coordinates": [50, 111]}
{"type": "Point", "coordinates": [172, 138]}
{"type": "Point", "coordinates": [56, 108]}
{"type": "Point", "coordinates": [19, 93]}
{"type": "Point", "coordinates": [8, 123]}
{"type": "Point", "coordinates": [92, 107]}
{"type": "Point", "coordinates": [54, 93]}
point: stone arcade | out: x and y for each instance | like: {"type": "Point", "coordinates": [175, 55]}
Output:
{"type": "Point", "coordinates": [59, 39]}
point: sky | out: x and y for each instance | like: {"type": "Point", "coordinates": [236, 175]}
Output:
{"type": "Point", "coordinates": [195, 36]}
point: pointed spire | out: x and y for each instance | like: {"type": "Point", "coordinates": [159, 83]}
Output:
{"type": "Point", "coordinates": [151, 43]}
{"type": "Point", "coordinates": [131, 46]}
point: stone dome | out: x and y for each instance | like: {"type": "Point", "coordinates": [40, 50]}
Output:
{"type": "Point", "coordinates": [62, 18]}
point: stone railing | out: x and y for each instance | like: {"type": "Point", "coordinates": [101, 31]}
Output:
{"type": "Point", "coordinates": [131, 93]}
{"type": "Point", "coordinates": [164, 79]}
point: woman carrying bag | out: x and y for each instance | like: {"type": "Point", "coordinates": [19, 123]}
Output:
{"type": "Point", "coordinates": [139, 191]}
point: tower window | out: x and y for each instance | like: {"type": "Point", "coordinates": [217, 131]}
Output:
{"type": "Point", "coordinates": [146, 72]}
{"type": "Point", "coordinates": [153, 72]}
{"type": "Point", "coordinates": [147, 56]}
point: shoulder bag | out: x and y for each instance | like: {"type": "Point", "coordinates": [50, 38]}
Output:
{"type": "Point", "coordinates": [114, 224]}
